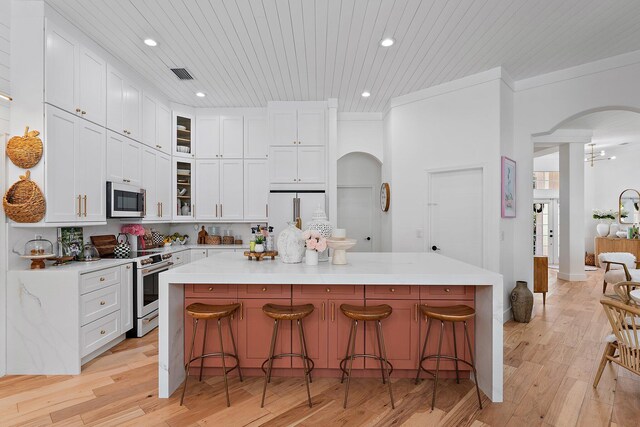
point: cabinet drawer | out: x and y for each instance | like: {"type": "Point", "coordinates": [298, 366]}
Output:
{"type": "Point", "coordinates": [446, 292]}
{"type": "Point", "coordinates": [344, 291]}
{"type": "Point", "coordinates": [98, 333]}
{"type": "Point", "coordinates": [181, 258]}
{"type": "Point", "coordinates": [211, 291]}
{"type": "Point", "coordinates": [261, 291]}
{"type": "Point", "coordinates": [99, 279]}
{"type": "Point", "coordinates": [96, 304]}
{"type": "Point", "coordinates": [391, 292]}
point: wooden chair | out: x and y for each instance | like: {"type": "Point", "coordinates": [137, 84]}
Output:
{"type": "Point", "coordinates": [625, 340]}
{"type": "Point", "coordinates": [623, 291]}
{"type": "Point", "coordinates": [620, 267]}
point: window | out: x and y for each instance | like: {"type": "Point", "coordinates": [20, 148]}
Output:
{"type": "Point", "coordinates": [546, 180]}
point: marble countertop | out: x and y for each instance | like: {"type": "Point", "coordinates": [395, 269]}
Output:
{"type": "Point", "coordinates": [363, 268]}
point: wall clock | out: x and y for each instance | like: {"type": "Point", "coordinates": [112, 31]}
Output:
{"type": "Point", "coordinates": [385, 196]}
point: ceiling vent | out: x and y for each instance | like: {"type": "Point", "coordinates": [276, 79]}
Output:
{"type": "Point", "coordinates": [182, 73]}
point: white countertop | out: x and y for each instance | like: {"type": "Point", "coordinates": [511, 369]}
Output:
{"type": "Point", "coordinates": [363, 268]}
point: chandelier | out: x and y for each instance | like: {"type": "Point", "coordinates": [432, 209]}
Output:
{"type": "Point", "coordinates": [596, 157]}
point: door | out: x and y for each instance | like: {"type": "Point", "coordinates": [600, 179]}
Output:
{"type": "Point", "coordinates": [124, 158]}
{"type": "Point", "coordinates": [115, 101]}
{"type": "Point", "coordinates": [256, 143]}
{"type": "Point", "coordinates": [455, 214]}
{"type": "Point", "coordinates": [131, 160]}
{"type": "Point", "coordinates": [231, 137]}
{"type": "Point", "coordinates": [545, 229]}
{"type": "Point", "coordinates": [311, 127]}
{"type": "Point", "coordinates": [284, 165]}
{"type": "Point", "coordinates": [283, 127]}
{"type": "Point", "coordinates": [163, 185]}
{"type": "Point", "coordinates": [357, 212]}
{"type": "Point", "coordinates": [231, 189]}
{"type": "Point", "coordinates": [92, 87]}
{"type": "Point", "coordinates": [208, 189]}
{"type": "Point", "coordinates": [208, 137]}
{"type": "Point", "coordinates": [339, 328]}
{"type": "Point", "coordinates": [149, 121]}
{"type": "Point", "coordinates": [62, 198]}
{"type": "Point", "coordinates": [132, 111]}
{"type": "Point", "coordinates": [164, 129]}
{"type": "Point", "coordinates": [90, 170]}
{"type": "Point", "coordinates": [311, 165]}
{"type": "Point", "coordinates": [254, 336]}
{"type": "Point", "coordinates": [149, 183]}
{"type": "Point", "coordinates": [61, 59]}
{"type": "Point", "coordinates": [316, 332]}
{"type": "Point", "coordinates": [256, 190]}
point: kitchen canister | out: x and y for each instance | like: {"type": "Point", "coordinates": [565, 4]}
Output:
{"type": "Point", "coordinates": [291, 245]}
{"type": "Point", "coordinates": [320, 223]}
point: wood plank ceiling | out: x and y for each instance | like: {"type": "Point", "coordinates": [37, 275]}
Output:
{"type": "Point", "coordinates": [248, 52]}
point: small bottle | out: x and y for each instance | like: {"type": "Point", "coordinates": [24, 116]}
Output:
{"type": "Point", "coordinates": [252, 242]}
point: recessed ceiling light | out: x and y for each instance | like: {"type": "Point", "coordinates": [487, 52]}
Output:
{"type": "Point", "coordinates": [200, 94]}
{"type": "Point", "coordinates": [387, 42]}
{"type": "Point", "coordinates": [366, 94]}
{"type": "Point", "coordinates": [150, 42]}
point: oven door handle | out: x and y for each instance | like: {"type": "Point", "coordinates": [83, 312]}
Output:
{"type": "Point", "coordinates": [149, 319]}
{"type": "Point", "coordinates": [163, 268]}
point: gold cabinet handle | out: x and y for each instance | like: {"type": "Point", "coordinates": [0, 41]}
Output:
{"type": "Point", "coordinates": [333, 312]}
{"type": "Point", "coordinates": [78, 110]}
{"type": "Point", "coordinates": [158, 208]}
{"type": "Point", "coordinates": [392, 289]}
{"type": "Point", "coordinates": [216, 210]}
{"type": "Point", "coordinates": [416, 311]}
{"type": "Point", "coordinates": [102, 279]}
{"type": "Point", "coordinates": [102, 302]}
{"type": "Point", "coordinates": [85, 205]}
{"type": "Point", "coordinates": [328, 290]}
{"type": "Point", "coordinates": [193, 210]}
{"type": "Point", "coordinates": [266, 210]}
{"type": "Point", "coordinates": [241, 311]}
{"type": "Point", "coordinates": [102, 332]}
{"type": "Point", "coordinates": [264, 289]}
{"type": "Point", "coordinates": [220, 210]}
{"type": "Point", "coordinates": [79, 205]}
{"type": "Point", "coordinates": [211, 289]}
{"type": "Point", "coordinates": [322, 314]}
{"type": "Point", "coordinates": [447, 290]}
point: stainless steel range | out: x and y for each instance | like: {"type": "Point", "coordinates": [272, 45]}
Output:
{"type": "Point", "coordinates": [145, 294]}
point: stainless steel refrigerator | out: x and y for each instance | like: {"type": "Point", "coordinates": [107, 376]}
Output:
{"type": "Point", "coordinates": [288, 206]}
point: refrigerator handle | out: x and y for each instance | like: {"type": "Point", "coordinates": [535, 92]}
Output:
{"type": "Point", "coordinates": [296, 212]}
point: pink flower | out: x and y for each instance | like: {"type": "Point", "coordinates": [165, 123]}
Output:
{"type": "Point", "coordinates": [315, 234]}
{"type": "Point", "coordinates": [306, 235]}
{"type": "Point", "coordinates": [311, 244]}
{"type": "Point", "coordinates": [134, 229]}
{"type": "Point", "coordinates": [265, 232]}
{"type": "Point", "coordinates": [321, 245]}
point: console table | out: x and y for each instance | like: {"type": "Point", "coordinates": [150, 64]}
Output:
{"type": "Point", "coordinates": [612, 244]}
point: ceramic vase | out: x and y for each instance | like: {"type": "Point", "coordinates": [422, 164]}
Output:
{"type": "Point", "coordinates": [259, 248]}
{"type": "Point", "coordinates": [602, 229]}
{"type": "Point", "coordinates": [290, 245]}
{"type": "Point", "coordinates": [521, 302]}
{"type": "Point", "coordinates": [311, 257]}
{"type": "Point", "coordinates": [320, 224]}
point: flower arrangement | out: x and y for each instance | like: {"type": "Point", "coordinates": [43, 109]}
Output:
{"type": "Point", "coordinates": [604, 214]}
{"type": "Point", "coordinates": [133, 229]}
{"type": "Point", "coordinates": [314, 241]}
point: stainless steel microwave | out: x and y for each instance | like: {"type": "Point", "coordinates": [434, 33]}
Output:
{"type": "Point", "coordinates": [125, 201]}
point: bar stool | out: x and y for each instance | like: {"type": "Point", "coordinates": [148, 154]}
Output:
{"type": "Point", "coordinates": [370, 313]}
{"type": "Point", "coordinates": [453, 314]}
{"type": "Point", "coordinates": [199, 311]}
{"type": "Point", "coordinates": [287, 312]}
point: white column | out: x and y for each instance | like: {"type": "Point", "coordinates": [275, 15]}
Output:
{"type": "Point", "coordinates": [572, 231]}
{"type": "Point", "coordinates": [332, 158]}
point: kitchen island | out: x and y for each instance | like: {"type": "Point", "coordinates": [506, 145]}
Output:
{"type": "Point", "coordinates": [403, 280]}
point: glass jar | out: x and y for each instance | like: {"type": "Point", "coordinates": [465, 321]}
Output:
{"type": "Point", "coordinates": [90, 252]}
{"type": "Point", "coordinates": [38, 247]}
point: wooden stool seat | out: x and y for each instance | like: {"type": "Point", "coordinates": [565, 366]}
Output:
{"type": "Point", "coordinates": [287, 312]}
{"type": "Point", "coordinates": [207, 311]}
{"type": "Point", "coordinates": [452, 313]}
{"type": "Point", "coordinates": [373, 312]}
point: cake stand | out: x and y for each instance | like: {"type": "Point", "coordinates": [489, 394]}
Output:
{"type": "Point", "coordinates": [340, 247]}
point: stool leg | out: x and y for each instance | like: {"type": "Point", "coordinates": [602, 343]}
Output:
{"type": "Point", "coordinates": [455, 352]}
{"type": "Point", "coordinates": [267, 375]}
{"type": "Point", "coordinates": [235, 351]}
{"type": "Point", "coordinates": [473, 364]}
{"type": "Point", "coordinates": [224, 366]}
{"type": "Point", "coordinates": [351, 352]}
{"type": "Point", "coordinates": [435, 383]}
{"type": "Point", "coordinates": [386, 366]}
{"type": "Point", "coordinates": [424, 349]}
{"type": "Point", "coordinates": [304, 344]}
{"type": "Point", "coordinates": [304, 360]}
{"type": "Point", "coordinates": [204, 344]}
{"type": "Point", "coordinates": [382, 363]}
{"type": "Point", "coordinates": [347, 352]}
{"type": "Point", "coordinates": [275, 340]}
{"type": "Point", "coordinates": [186, 367]}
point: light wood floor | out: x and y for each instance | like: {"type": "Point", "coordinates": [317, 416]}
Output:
{"type": "Point", "coordinates": [549, 368]}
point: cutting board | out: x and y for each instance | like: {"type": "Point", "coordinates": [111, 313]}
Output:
{"type": "Point", "coordinates": [104, 244]}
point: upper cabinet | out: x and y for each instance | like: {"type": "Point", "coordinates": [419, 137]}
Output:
{"type": "Point", "coordinates": [297, 127]}
{"type": "Point", "coordinates": [231, 136]}
{"type": "Point", "coordinates": [183, 133]}
{"type": "Point", "coordinates": [256, 139]}
{"type": "Point", "coordinates": [156, 124]}
{"type": "Point", "coordinates": [75, 78]}
{"type": "Point", "coordinates": [124, 105]}
{"type": "Point", "coordinates": [208, 137]}
{"type": "Point", "coordinates": [124, 158]}
{"type": "Point", "coordinates": [164, 129]}
{"type": "Point", "coordinates": [283, 127]}
{"type": "Point", "coordinates": [219, 137]}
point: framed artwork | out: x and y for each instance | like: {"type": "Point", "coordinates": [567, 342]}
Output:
{"type": "Point", "coordinates": [508, 188]}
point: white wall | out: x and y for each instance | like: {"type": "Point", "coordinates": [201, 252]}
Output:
{"type": "Point", "coordinates": [5, 87]}
{"type": "Point", "coordinates": [360, 132]}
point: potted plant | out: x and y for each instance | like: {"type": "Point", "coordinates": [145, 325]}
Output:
{"type": "Point", "coordinates": [259, 247]}
{"type": "Point", "coordinates": [315, 243]}
{"type": "Point", "coordinates": [605, 217]}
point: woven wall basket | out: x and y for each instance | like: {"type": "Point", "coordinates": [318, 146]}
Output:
{"type": "Point", "coordinates": [25, 151]}
{"type": "Point", "coordinates": [24, 202]}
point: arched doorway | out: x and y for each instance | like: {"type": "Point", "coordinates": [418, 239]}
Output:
{"type": "Point", "coordinates": [359, 177]}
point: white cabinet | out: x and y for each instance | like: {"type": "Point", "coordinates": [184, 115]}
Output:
{"type": "Point", "coordinates": [75, 78]}
{"type": "Point", "coordinates": [231, 137]}
{"type": "Point", "coordinates": [208, 189]}
{"type": "Point", "coordinates": [231, 190]}
{"type": "Point", "coordinates": [304, 126]}
{"type": "Point", "coordinates": [283, 168]}
{"type": "Point", "coordinates": [197, 254]}
{"type": "Point", "coordinates": [256, 190]}
{"type": "Point", "coordinates": [124, 157]}
{"type": "Point", "coordinates": [156, 180]}
{"type": "Point", "coordinates": [184, 189]}
{"type": "Point", "coordinates": [256, 140]}
{"type": "Point", "coordinates": [311, 127]}
{"type": "Point", "coordinates": [183, 133]}
{"type": "Point", "coordinates": [283, 127]}
{"type": "Point", "coordinates": [311, 165]}
{"type": "Point", "coordinates": [164, 129]}
{"type": "Point", "coordinates": [149, 121]}
{"type": "Point", "coordinates": [124, 105]}
{"type": "Point", "coordinates": [208, 137]}
{"type": "Point", "coordinates": [126, 297]}
{"type": "Point", "coordinates": [75, 172]}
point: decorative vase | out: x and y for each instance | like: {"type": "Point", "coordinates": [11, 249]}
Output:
{"type": "Point", "coordinates": [602, 229]}
{"type": "Point", "coordinates": [521, 302]}
{"type": "Point", "coordinates": [259, 248]}
{"type": "Point", "coordinates": [320, 224]}
{"type": "Point", "coordinates": [123, 248]}
{"type": "Point", "coordinates": [613, 230]}
{"type": "Point", "coordinates": [133, 242]}
{"type": "Point", "coordinates": [290, 245]}
{"type": "Point", "coordinates": [311, 257]}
